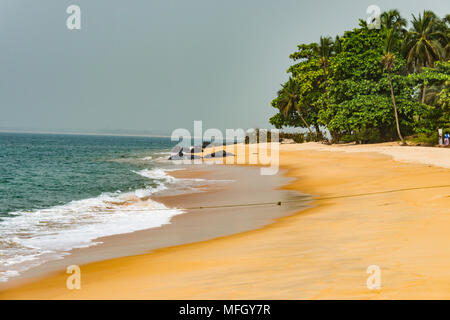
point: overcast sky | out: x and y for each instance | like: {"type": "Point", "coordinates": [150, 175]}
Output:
{"type": "Point", "coordinates": [156, 65]}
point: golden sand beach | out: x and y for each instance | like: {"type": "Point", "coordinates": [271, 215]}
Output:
{"type": "Point", "coordinates": [381, 205]}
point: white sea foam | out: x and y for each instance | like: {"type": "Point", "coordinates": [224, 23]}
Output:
{"type": "Point", "coordinates": [165, 153]}
{"type": "Point", "coordinates": [5, 275]}
{"type": "Point", "coordinates": [161, 175]}
{"type": "Point", "coordinates": [33, 237]}
{"type": "Point", "coordinates": [158, 173]}
{"type": "Point", "coordinates": [41, 235]}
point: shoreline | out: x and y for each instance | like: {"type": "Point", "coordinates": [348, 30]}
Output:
{"type": "Point", "coordinates": [183, 228]}
{"type": "Point", "coordinates": [321, 253]}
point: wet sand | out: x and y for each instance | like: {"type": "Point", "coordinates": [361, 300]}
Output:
{"type": "Point", "coordinates": [369, 210]}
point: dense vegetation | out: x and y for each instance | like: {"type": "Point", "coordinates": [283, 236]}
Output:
{"type": "Point", "coordinates": [371, 84]}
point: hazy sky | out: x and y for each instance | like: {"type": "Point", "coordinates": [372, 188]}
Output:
{"type": "Point", "coordinates": [156, 65]}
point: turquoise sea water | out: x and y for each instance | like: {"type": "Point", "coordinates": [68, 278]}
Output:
{"type": "Point", "coordinates": [40, 171]}
{"type": "Point", "coordinates": [59, 192]}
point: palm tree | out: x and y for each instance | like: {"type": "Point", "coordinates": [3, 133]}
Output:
{"type": "Point", "coordinates": [289, 101]}
{"type": "Point", "coordinates": [324, 49]}
{"type": "Point", "coordinates": [393, 20]}
{"type": "Point", "coordinates": [388, 61]}
{"type": "Point", "coordinates": [446, 20]}
{"type": "Point", "coordinates": [422, 43]}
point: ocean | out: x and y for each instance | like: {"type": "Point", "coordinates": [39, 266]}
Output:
{"type": "Point", "coordinates": [60, 192]}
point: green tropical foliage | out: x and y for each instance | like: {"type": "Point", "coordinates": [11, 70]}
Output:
{"type": "Point", "coordinates": [371, 85]}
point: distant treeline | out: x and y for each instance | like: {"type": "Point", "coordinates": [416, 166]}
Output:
{"type": "Point", "coordinates": [371, 84]}
{"type": "Point", "coordinates": [264, 135]}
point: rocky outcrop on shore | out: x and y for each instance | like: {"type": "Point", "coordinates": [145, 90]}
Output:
{"type": "Point", "coordinates": [190, 153]}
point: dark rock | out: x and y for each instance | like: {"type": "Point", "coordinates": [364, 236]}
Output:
{"type": "Point", "coordinates": [181, 156]}
{"type": "Point", "coordinates": [205, 144]}
{"type": "Point", "coordinates": [186, 153]}
{"type": "Point", "coordinates": [219, 154]}
{"type": "Point", "coordinates": [177, 149]}
{"type": "Point", "coordinates": [196, 149]}
{"type": "Point", "coordinates": [187, 149]}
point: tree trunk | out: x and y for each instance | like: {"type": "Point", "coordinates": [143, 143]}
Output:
{"type": "Point", "coordinates": [325, 72]}
{"type": "Point", "coordinates": [318, 132]}
{"type": "Point", "coordinates": [303, 119]}
{"type": "Point", "coordinates": [306, 124]}
{"type": "Point", "coordinates": [424, 93]}
{"type": "Point", "coordinates": [395, 110]}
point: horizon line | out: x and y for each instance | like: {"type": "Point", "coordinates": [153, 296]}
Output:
{"type": "Point", "coordinates": [83, 133]}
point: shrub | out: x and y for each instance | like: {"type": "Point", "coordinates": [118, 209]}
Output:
{"type": "Point", "coordinates": [428, 139]}
{"type": "Point", "coordinates": [297, 137]}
